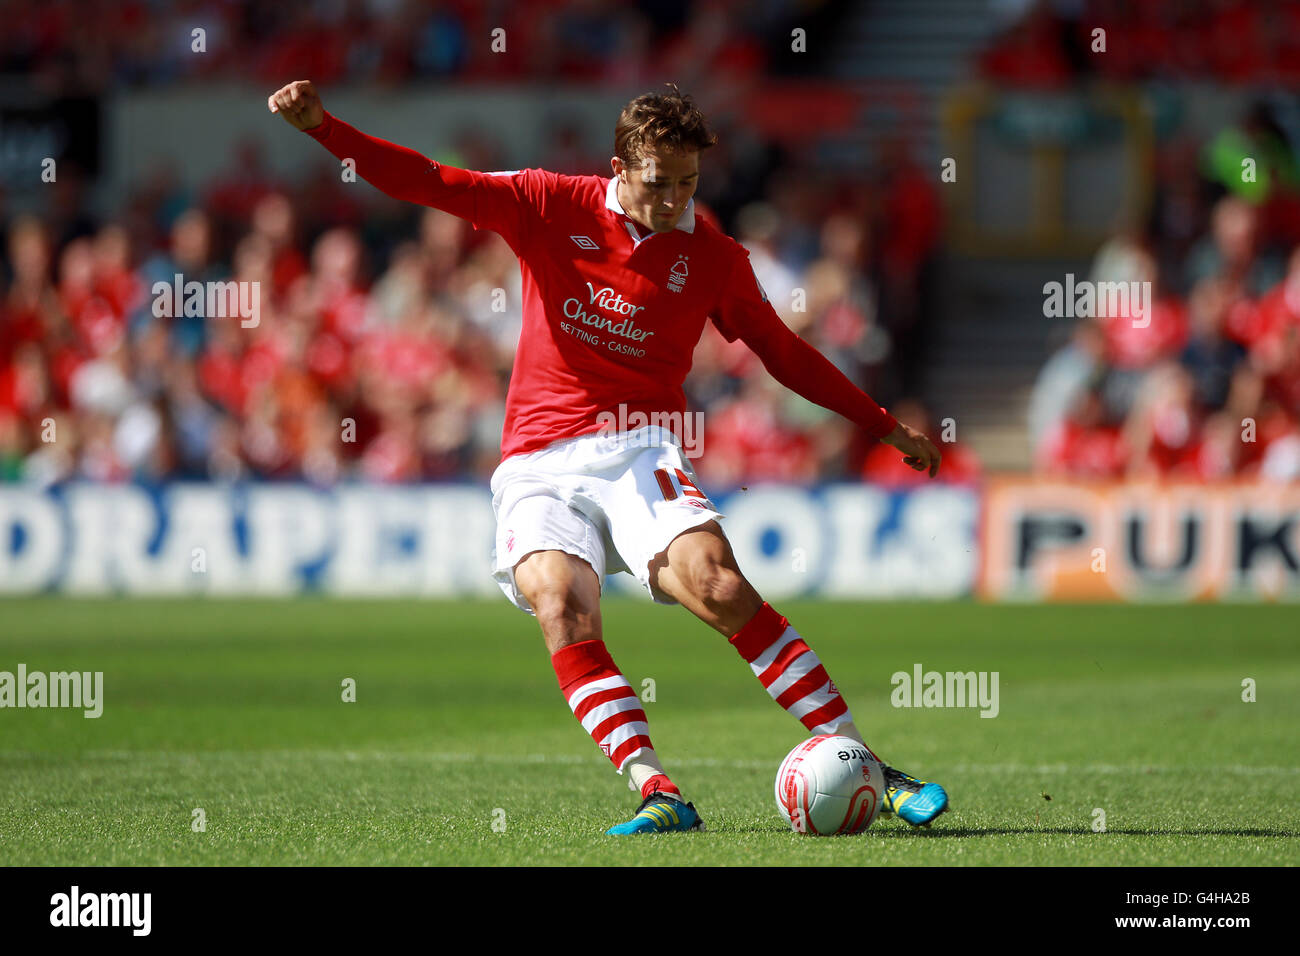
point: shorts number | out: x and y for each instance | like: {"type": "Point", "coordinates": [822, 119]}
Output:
{"type": "Point", "coordinates": [666, 484]}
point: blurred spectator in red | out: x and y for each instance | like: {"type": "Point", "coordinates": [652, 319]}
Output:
{"type": "Point", "coordinates": [1030, 54]}
{"type": "Point", "coordinates": [1084, 445]}
{"type": "Point", "coordinates": [24, 385]}
{"type": "Point", "coordinates": [220, 366]}
{"type": "Point", "coordinates": [235, 193]}
{"type": "Point", "coordinates": [309, 45]}
{"type": "Point", "coordinates": [566, 149]}
{"type": "Point", "coordinates": [30, 306]}
{"type": "Point", "coordinates": [1071, 371]}
{"type": "Point", "coordinates": [273, 219]}
{"type": "Point", "coordinates": [1216, 451]}
{"type": "Point", "coordinates": [631, 63]}
{"type": "Point", "coordinates": [394, 453]}
{"type": "Point", "coordinates": [711, 53]}
{"type": "Point", "coordinates": [1267, 432]}
{"type": "Point", "coordinates": [115, 280]}
{"type": "Point", "coordinates": [325, 202]}
{"type": "Point", "coordinates": [334, 289]}
{"type": "Point", "coordinates": [1142, 325]}
{"type": "Point", "coordinates": [1137, 339]}
{"type": "Point", "coordinates": [1271, 330]}
{"type": "Point", "coordinates": [842, 318]}
{"type": "Point", "coordinates": [1240, 47]}
{"type": "Point", "coordinates": [1162, 429]}
{"type": "Point", "coordinates": [746, 439]}
{"type": "Point", "coordinates": [98, 329]}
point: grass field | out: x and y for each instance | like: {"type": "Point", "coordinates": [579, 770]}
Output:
{"type": "Point", "coordinates": [235, 707]}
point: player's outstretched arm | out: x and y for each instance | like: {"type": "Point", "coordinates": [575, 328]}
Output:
{"type": "Point", "coordinates": [392, 169]}
{"type": "Point", "coordinates": [299, 104]}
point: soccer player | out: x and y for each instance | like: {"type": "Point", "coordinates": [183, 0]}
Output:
{"type": "Point", "coordinates": [619, 277]}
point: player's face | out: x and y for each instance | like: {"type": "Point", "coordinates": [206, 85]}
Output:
{"type": "Point", "coordinates": [656, 193]}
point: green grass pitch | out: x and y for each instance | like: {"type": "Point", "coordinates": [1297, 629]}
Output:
{"type": "Point", "coordinates": [236, 707]}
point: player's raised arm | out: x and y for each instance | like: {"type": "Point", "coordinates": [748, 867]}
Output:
{"type": "Point", "coordinates": [489, 201]}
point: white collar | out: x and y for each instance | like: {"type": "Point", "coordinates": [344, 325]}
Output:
{"type": "Point", "coordinates": [686, 223]}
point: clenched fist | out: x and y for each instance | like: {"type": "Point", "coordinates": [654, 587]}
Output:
{"type": "Point", "coordinates": [298, 104]}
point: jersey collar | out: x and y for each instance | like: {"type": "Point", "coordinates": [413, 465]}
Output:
{"type": "Point", "coordinates": [686, 223]}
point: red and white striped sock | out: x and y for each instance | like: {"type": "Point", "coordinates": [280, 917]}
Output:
{"type": "Point", "coordinates": [792, 673]}
{"type": "Point", "coordinates": [609, 709]}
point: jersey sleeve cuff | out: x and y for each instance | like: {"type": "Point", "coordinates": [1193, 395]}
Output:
{"type": "Point", "coordinates": [322, 132]}
{"type": "Point", "coordinates": [883, 427]}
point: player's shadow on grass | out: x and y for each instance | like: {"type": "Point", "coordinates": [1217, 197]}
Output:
{"type": "Point", "coordinates": [942, 831]}
{"type": "Point", "coordinates": [939, 831]}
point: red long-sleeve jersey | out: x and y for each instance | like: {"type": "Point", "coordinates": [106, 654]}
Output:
{"type": "Point", "coordinates": [610, 319]}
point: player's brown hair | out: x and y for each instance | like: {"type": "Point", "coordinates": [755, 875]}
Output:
{"type": "Point", "coordinates": [661, 121]}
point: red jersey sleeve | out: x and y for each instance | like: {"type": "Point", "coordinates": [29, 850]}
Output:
{"type": "Point", "coordinates": [743, 312]}
{"type": "Point", "coordinates": [507, 203]}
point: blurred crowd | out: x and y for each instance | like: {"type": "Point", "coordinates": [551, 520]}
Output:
{"type": "Point", "coordinates": [1053, 44]}
{"type": "Point", "coordinates": [93, 45]}
{"type": "Point", "coordinates": [382, 350]}
{"type": "Point", "coordinates": [1204, 385]}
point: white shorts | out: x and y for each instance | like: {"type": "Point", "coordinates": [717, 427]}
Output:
{"type": "Point", "coordinates": [615, 500]}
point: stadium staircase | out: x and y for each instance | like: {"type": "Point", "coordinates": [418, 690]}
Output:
{"type": "Point", "coordinates": [990, 337]}
{"type": "Point", "coordinates": [989, 342]}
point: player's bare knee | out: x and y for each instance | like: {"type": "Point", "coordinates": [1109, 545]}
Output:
{"type": "Point", "coordinates": [564, 606]}
{"type": "Point", "coordinates": [552, 600]}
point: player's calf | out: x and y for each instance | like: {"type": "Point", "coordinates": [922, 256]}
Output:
{"type": "Point", "coordinates": [790, 672]}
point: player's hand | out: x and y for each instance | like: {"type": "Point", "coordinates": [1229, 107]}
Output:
{"type": "Point", "coordinates": [298, 104]}
{"type": "Point", "coordinates": [918, 451]}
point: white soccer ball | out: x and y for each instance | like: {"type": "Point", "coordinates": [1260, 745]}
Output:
{"type": "Point", "coordinates": [830, 784]}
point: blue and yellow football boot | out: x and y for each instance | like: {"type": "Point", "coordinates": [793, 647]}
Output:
{"type": "Point", "coordinates": [913, 800]}
{"type": "Point", "coordinates": [661, 813]}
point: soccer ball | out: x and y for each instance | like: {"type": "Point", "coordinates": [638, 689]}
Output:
{"type": "Point", "coordinates": [830, 784]}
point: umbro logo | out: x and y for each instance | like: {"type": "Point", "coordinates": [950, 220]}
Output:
{"type": "Point", "coordinates": [583, 242]}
